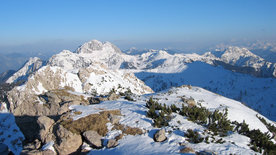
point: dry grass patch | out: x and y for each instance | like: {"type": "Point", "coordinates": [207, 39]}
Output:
{"type": "Point", "coordinates": [127, 130]}
{"type": "Point", "coordinates": [77, 112]}
{"type": "Point", "coordinates": [95, 122]}
{"type": "Point", "coordinates": [187, 150]}
{"type": "Point", "coordinates": [120, 136]}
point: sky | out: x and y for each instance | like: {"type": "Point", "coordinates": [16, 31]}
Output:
{"type": "Point", "coordinates": [53, 25]}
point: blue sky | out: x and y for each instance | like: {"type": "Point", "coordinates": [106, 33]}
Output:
{"type": "Point", "coordinates": [38, 24]}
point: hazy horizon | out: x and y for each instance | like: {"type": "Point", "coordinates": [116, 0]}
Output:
{"type": "Point", "coordinates": [50, 26]}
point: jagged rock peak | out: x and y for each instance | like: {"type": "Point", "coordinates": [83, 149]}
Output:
{"type": "Point", "coordinates": [32, 65]}
{"type": "Point", "coordinates": [95, 45]}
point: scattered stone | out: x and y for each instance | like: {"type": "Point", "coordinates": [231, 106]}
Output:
{"type": "Point", "coordinates": [120, 136]}
{"type": "Point", "coordinates": [111, 143]}
{"type": "Point", "coordinates": [113, 96]}
{"type": "Point", "coordinates": [67, 142]}
{"type": "Point", "coordinates": [114, 119]}
{"type": "Point", "coordinates": [37, 152]}
{"type": "Point", "coordinates": [94, 100]}
{"type": "Point", "coordinates": [187, 150]}
{"type": "Point", "coordinates": [190, 101]}
{"type": "Point", "coordinates": [35, 145]}
{"type": "Point", "coordinates": [127, 129]}
{"type": "Point", "coordinates": [160, 136]}
{"type": "Point", "coordinates": [206, 152]}
{"type": "Point", "coordinates": [93, 138]}
{"type": "Point", "coordinates": [85, 147]}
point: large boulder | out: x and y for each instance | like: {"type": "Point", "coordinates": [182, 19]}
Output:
{"type": "Point", "coordinates": [46, 126]}
{"type": "Point", "coordinates": [160, 136]}
{"type": "Point", "coordinates": [93, 138]}
{"type": "Point", "coordinates": [67, 142]}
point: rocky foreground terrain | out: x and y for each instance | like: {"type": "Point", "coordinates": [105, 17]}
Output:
{"type": "Point", "coordinates": [98, 100]}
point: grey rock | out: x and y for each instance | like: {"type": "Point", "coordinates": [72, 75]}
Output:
{"type": "Point", "coordinates": [111, 143]}
{"type": "Point", "coordinates": [160, 136]}
{"type": "Point", "coordinates": [46, 126]}
{"type": "Point", "coordinates": [67, 142]}
{"type": "Point", "coordinates": [113, 96]}
{"type": "Point", "coordinates": [93, 138]}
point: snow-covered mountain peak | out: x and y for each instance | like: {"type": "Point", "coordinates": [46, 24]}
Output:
{"type": "Point", "coordinates": [238, 51]}
{"type": "Point", "coordinates": [32, 65]}
{"type": "Point", "coordinates": [95, 46]}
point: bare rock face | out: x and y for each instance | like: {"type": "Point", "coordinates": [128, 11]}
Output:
{"type": "Point", "coordinates": [67, 142]}
{"type": "Point", "coordinates": [93, 138]}
{"type": "Point", "coordinates": [46, 126]}
{"type": "Point", "coordinates": [111, 143]}
{"type": "Point", "coordinates": [160, 136]}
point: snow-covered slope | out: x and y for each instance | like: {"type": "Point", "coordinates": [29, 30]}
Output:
{"type": "Point", "coordinates": [10, 134]}
{"type": "Point", "coordinates": [244, 61]}
{"type": "Point", "coordinates": [134, 115]}
{"type": "Point", "coordinates": [32, 65]}
{"type": "Point", "coordinates": [257, 93]}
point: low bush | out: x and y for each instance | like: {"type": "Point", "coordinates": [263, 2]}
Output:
{"type": "Point", "coordinates": [159, 113]}
{"type": "Point", "coordinates": [194, 136]}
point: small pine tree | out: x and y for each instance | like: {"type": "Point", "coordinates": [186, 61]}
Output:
{"type": "Point", "coordinates": [194, 136]}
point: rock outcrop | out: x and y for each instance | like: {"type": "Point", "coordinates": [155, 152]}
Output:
{"type": "Point", "coordinates": [31, 66]}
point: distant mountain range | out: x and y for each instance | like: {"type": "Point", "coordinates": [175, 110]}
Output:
{"type": "Point", "coordinates": [217, 71]}
{"type": "Point", "coordinates": [69, 81]}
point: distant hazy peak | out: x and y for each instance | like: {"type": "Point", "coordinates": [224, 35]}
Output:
{"type": "Point", "coordinates": [95, 45]}
{"type": "Point", "coordinates": [241, 51]}
{"type": "Point", "coordinates": [32, 65]}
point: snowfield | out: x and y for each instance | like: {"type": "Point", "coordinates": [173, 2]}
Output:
{"type": "Point", "coordinates": [134, 115]}
{"type": "Point", "coordinates": [10, 134]}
